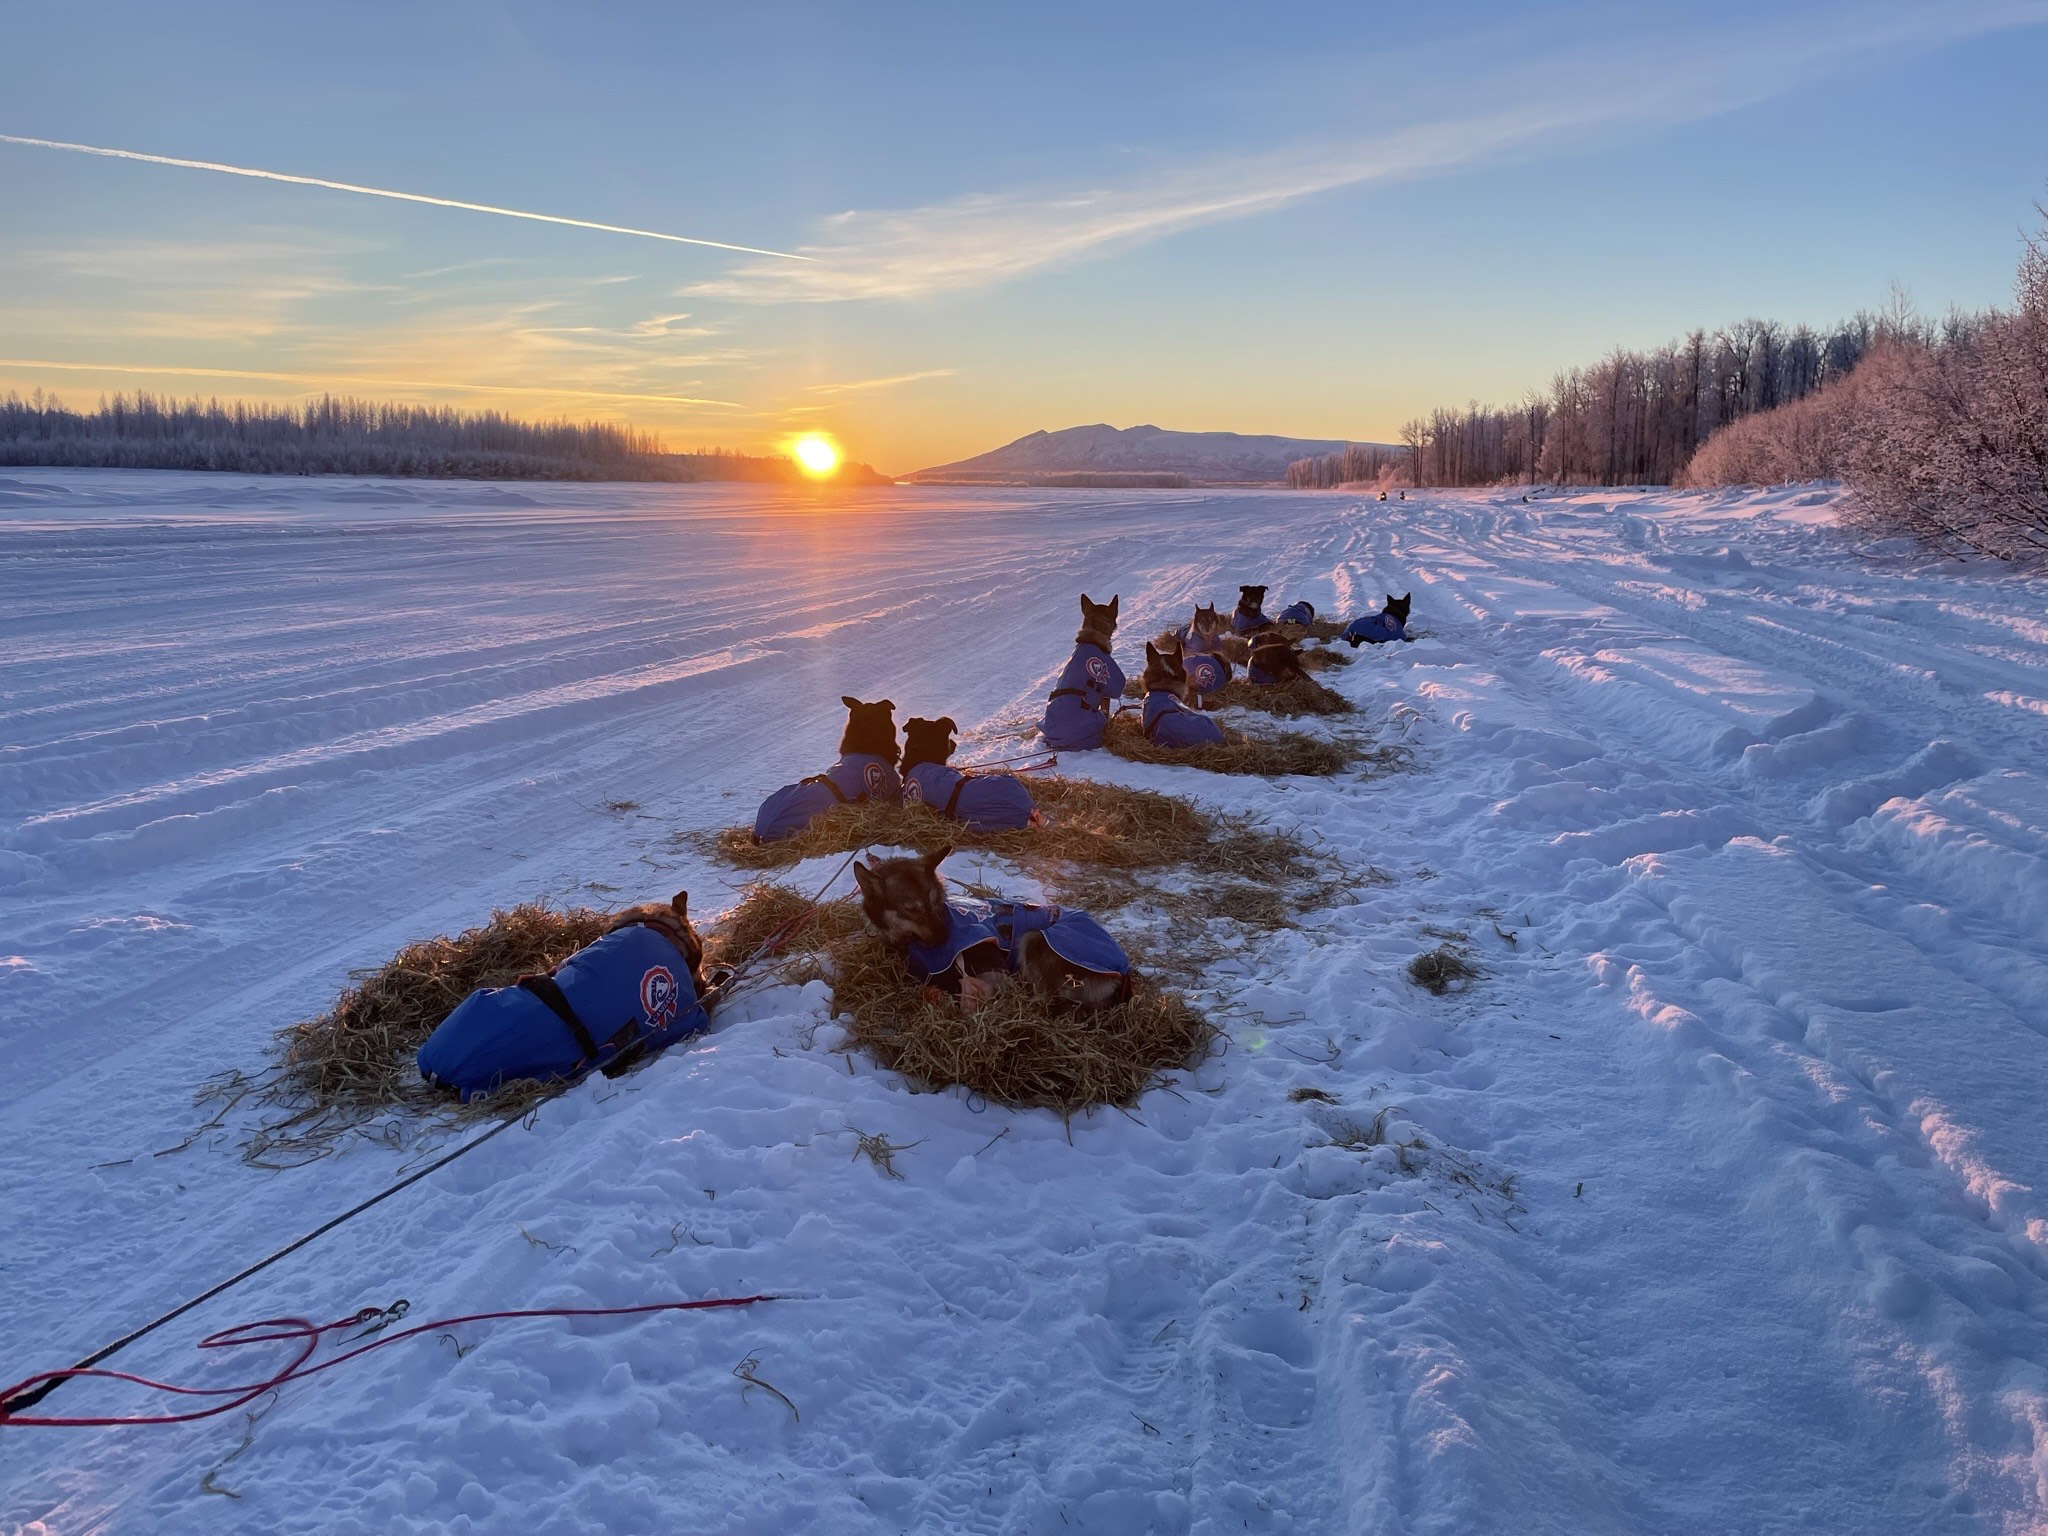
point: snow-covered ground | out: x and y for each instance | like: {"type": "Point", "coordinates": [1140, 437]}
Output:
{"type": "Point", "coordinates": [1729, 1211]}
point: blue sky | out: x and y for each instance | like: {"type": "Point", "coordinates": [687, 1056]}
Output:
{"type": "Point", "coordinates": [1312, 219]}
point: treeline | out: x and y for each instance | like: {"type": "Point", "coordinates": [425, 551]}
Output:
{"type": "Point", "coordinates": [1631, 418]}
{"type": "Point", "coordinates": [340, 436]}
{"type": "Point", "coordinates": [1941, 433]}
{"type": "Point", "coordinates": [1355, 464]}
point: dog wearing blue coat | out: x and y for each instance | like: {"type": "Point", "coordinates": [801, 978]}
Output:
{"type": "Point", "coordinates": [636, 991]}
{"type": "Point", "coordinates": [986, 801]}
{"type": "Point", "coordinates": [965, 951]}
{"type": "Point", "coordinates": [865, 773]}
{"type": "Point", "coordinates": [1382, 628]}
{"type": "Point", "coordinates": [1250, 614]}
{"type": "Point", "coordinates": [1168, 720]}
{"type": "Point", "coordinates": [1077, 709]}
{"type": "Point", "coordinates": [1274, 661]}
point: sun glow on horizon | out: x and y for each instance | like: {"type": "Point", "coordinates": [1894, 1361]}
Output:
{"type": "Point", "coordinates": [815, 454]}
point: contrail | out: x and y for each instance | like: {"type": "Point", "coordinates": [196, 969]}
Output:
{"type": "Point", "coordinates": [326, 379]}
{"type": "Point", "coordinates": [403, 197]}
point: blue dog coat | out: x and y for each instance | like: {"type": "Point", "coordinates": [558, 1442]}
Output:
{"type": "Point", "coordinates": [1074, 936]}
{"type": "Point", "coordinates": [1259, 677]}
{"type": "Point", "coordinates": [1170, 723]}
{"type": "Point", "coordinates": [1077, 710]}
{"type": "Point", "coordinates": [631, 988]}
{"type": "Point", "coordinates": [1206, 673]}
{"type": "Point", "coordinates": [857, 777]}
{"type": "Point", "coordinates": [1244, 623]}
{"type": "Point", "coordinates": [1298, 613]}
{"type": "Point", "coordinates": [1374, 629]}
{"type": "Point", "coordinates": [988, 802]}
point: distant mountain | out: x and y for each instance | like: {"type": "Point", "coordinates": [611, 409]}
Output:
{"type": "Point", "coordinates": [1212, 457]}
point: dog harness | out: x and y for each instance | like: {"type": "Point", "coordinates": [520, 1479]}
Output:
{"type": "Point", "coordinates": [1298, 613]}
{"type": "Point", "coordinates": [1374, 629]}
{"type": "Point", "coordinates": [988, 802]}
{"type": "Point", "coordinates": [856, 779]}
{"type": "Point", "coordinates": [1074, 936]}
{"type": "Point", "coordinates": [1077, 710]}
{"type": "Point", "coordinates": [630, 991]}
{"type": "Point", "coordinates": [1170, 723]}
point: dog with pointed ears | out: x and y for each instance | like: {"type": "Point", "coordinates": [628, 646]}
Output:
{"type": "Point", "coordinates": [865, 773]}
{"type": "Point", "coordinates": [965, 952]}
{"type": "Point", "coordinates": [1077, 709]}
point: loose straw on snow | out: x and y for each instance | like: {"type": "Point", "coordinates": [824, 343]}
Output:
{"type": "Point", "coordinates": [1015, 1049]}
{"type": "Point", "coordinates": [1269, 754]}
{"type": "Point", "coordinates": [1091, 827]}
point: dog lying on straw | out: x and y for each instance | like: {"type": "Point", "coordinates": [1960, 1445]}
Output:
{"type": "Point", "coordinates": [866, 771]}
{"type": "Point", "coordinates": [965, 950]}
{"type": "Point", "coordinates": [986, 801]}
{"type": "Point", "coordinates": [636, 991]}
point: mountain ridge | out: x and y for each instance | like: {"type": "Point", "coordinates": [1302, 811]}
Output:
{"type": "Point", "coordinates": [1201, 457]}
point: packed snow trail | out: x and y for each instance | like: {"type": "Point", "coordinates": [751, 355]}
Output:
{"type": "Point", "coordinates": [1717, 1204]}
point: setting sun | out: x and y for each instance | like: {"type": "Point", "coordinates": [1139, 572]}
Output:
{"type": "Point", "coordinates": [815, 454]}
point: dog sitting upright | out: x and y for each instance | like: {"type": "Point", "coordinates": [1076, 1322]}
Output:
{"type": "Point", "coordinates": [1250, 613]}
{"type": "Point", "coordinates": [1390, 623]}
{"type": "Point", "coordinates": [647, 970]}
{"type": "Point", "coordinates": [1168, 720]}
{"type": "Point", "coordinates": [1199, 644]}
{"type": "Point", "coordinates": [866, 771]}
{"type": "Point", "coordinates": [966, 950]}
{"type": "Point", "coordinates": [1274, 661]}
{"type": "Point", "coordinates": [987, 802]}
{"type": "Point", "coordinates": [1077, 710]}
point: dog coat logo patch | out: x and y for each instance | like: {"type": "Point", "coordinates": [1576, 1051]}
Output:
{"type": "Point", "coordinates": [913, 790]}
{"type": "Point", "coordinates": [659, 996]}
{"type": "Point", "coordinates": [1098, 670]}
{"type": "Point", "coordinates": [877, 778]}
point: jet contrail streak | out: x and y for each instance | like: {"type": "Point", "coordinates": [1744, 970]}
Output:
{"type": "Point", "coordinates": [403, 197]}
{"type": "Point", "coordinates": [329, 379]}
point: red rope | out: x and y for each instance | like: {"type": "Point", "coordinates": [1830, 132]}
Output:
{"type": "Point", "coordinates": [307, 1335]}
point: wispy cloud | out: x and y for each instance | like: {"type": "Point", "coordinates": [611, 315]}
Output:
{"type": "Point", "coordinates": [332, 380]}
{"type": "Point", "coordinates": [891, 382]}
{"type": "Point", "coordinates": [985, 239]}
{"type": "Point", "coordinates": [403, 197]}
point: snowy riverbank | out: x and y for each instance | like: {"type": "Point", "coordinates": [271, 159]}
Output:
{"type": "Point", "coordinates": [1729, 1211]}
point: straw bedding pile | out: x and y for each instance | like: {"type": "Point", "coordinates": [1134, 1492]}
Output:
{"type": "Point", "coordinates": [1320, 658]}
{"type": "Point", "coordinates": [356, 1060]}
{"type": "Point", "coordinates": [1270, 754]}
{"type": "Point", "coordinates": [1014, 1050]}
{"type": "Point", "coordinates": [1292, 699]}
{"type": "Point", "coordinates": [1091, 827]}
{"type": "Point", "coordinates": [1315, 629]}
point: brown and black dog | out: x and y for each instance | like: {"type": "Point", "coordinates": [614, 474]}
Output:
{"type": "Point", "coordinates": [904, 899]}
{"type": "Point", "coordinates": [1098, 622]}
{"type": "Point", "coordinates": [1274, 660]}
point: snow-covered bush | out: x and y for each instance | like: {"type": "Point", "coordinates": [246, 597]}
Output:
{"type": "Point", "coordinates": [1941, 431]}
{"type": "Point", "coordinates": [1950, 444]}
